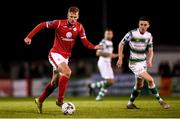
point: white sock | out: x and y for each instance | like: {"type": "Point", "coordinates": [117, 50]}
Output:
{"type": "Point", "coordinates": [160, 100]}
{"type": "Point", "coordinates": [129, 102]}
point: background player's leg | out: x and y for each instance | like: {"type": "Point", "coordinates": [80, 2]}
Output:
{"type": "Point", "coordinates": [100, 84]}
{"type": "Point", "coordinates": [63, 81]}
{"type": "Point", "coordinates": [103, 89]}
{"type": "Point", "coordinates": [153, 89]}
{"type": "Point", "coordinates": [103, 69]}
{"type": "Point", "coordinates": [107, 73]}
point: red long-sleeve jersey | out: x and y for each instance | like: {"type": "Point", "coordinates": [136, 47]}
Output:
{"type": "Point", "coordinates": [65, 36]}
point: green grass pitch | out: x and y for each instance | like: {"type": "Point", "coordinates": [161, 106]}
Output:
{"type": "Point", "coordinates": [87, 107]}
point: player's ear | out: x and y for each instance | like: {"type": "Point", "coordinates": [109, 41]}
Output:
{"type": "Point", "coordinates": [78, 15]}
{"type": "Point", "coordinates": [148, 25]}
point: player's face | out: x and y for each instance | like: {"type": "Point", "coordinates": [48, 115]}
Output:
{"type": "Point", "coordinates": [73, 17]}
{"type": "Point", "coordinates": [108, 35]}
{"type": "Point", "coordinates": [143, 26]}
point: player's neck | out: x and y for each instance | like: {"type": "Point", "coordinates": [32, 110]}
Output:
{"type": "Point", "coordinates": [140, 32]}
{"type": "Point", "coordinates": [70, 25]}
{"type": "Point", "coordinates": [108, 39]}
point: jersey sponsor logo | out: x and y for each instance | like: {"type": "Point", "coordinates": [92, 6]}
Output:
{"type": "Point", "coordinates": [68, 35]}
{"type": "Point", "coordinates": [139, 45]}
{"type": "Point", "coordinates": [67, 39]}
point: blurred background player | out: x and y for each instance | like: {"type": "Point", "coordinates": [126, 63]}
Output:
{"type": "Point", "coordinates": [139, 41]}
{"type": "Point", "coordinates": [66, 32]}
{"type": "Point", "coordinates": [104, 65]}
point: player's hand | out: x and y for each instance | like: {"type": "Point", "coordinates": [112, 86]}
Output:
{"type": "Point", "coordinates": [149, 64]}
{"type": "Point", "coordinates": [114, 55]}
{"type": "Point", "coordinates": [97, 47]}
{"type": "Point", "coordinates": [119, 63]}
{"type": "Point", "coordinates": [27, 40]}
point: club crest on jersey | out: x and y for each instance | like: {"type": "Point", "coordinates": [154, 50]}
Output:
{"type": "Point", "coordinates": [75, 29]}
{"type": "Point", "coordinates": [68, 35]}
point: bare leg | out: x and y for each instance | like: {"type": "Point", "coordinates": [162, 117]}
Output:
{"type": "Point", "coordinates": [153, 89]}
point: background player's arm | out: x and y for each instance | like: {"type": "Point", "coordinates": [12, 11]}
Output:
{"type": "Point", "coordinates": [49, 24]}
{"type": "Point", "coordinates": [105, 54]}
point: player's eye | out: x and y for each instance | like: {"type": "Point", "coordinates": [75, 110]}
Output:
{"type": "Point", "coordinates": [143, 24]}
{"type": "Point", "coordinates": [75, 17]}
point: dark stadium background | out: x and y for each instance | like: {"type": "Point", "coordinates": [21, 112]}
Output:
{"type": "Point", "coordinates": [25, 70]}
{"type": "Point", "coordinates": [19, 17]}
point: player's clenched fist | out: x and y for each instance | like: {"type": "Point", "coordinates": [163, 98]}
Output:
{"type": "Point", "coordinates": [119, 63]}
{"type": "Point", "coordinates": [27, 40]}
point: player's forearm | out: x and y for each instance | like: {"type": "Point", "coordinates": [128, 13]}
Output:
{"type": "Point", "coordinates": [37, 29]}
{"type": "Point", "coordinates": [87, 44]}
{"type": "Point", "coordinates": [103, 54]}
{"type": "Point", "coordinates": [150, 55]}
{"type": "Point", "coordinates": [120, 50]}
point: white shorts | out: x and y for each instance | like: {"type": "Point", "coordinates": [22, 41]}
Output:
{"type": "Point", "coordinates": [105, 69]}
{"type": "Point", "coordinates": [138, 67]}
{"type": "Point", "coordinates": [55, 59]}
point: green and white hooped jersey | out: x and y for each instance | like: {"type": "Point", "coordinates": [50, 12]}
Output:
{"type": "Point", "coordinates": [107, 48]}
{"type": "Point", "coordinates": [139, 43]}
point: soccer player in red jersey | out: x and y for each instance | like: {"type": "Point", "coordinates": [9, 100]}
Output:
{"type": "Point", "coordinates": [66, 32]}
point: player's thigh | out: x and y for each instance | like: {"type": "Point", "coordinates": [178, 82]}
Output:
{"type": "Point", "coordinates": [64, 68]}
{"type": "Point", "coordinates": [56, 59]}
{"type": "Point", "coordinates": [145, 75]}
